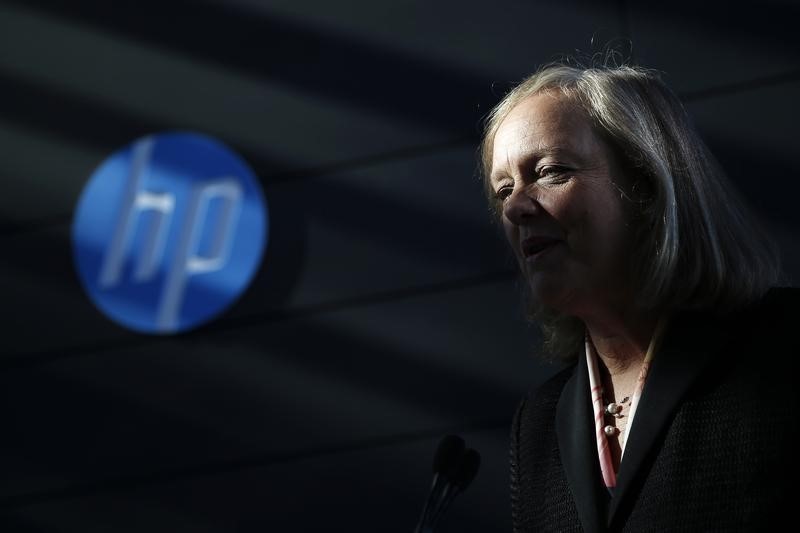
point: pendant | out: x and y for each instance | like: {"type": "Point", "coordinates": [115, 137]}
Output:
{"type": "Point", "coordinates": [615, 409]}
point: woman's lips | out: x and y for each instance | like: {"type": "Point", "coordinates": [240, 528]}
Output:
{"type": "Point", "coordinates": [533, 246]}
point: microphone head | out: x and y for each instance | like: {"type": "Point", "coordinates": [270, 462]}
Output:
{"type": "Point", "coordinates": [450, 450]}
{"type": "Point", "coordinates": [467, 469]}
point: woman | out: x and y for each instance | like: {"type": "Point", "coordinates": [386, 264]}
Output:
{"type": "Point", "coordinates": [649, 276]}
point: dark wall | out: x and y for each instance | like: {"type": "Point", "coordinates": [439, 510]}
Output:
{"type": "Point", "coordinates": [385, 313]}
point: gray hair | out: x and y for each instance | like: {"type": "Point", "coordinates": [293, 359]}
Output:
{"type": "Point", "coordinates": [697, 244]}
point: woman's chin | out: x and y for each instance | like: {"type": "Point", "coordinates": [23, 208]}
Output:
{"type": "Point", "coordinates": [549, 293]}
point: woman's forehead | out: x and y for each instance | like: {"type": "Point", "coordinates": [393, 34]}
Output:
{"type": "Point", "coordinates": [542, 124]}
{"type": "Point", "coordinates": [544, 111]}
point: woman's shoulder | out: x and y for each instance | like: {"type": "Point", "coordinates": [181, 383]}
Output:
{"type": "Point", "coordinates": [778, 310]}
{"type": "Point", "coordinates": [537, 408]}
{"type": "Point", "coordinates": [555, 384]}
{"type": "Point", "coordinates": [546, 395]}
{"type": "Point", "coordinates": [781, 300]}
{"type": "Point", "coordinates": [764, 335]}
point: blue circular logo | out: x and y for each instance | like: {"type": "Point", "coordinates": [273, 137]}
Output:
{"type": "Point", "coordinates": [168, 232]}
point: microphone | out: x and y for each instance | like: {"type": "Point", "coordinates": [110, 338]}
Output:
{"type": "Point", "coordinates": [454, 468]}
{"type": "Point", "coordinates": [447, 455]}
{"type": "Point", "coordinates": [464, 472]}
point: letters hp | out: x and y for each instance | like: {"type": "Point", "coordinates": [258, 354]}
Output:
{"type": "Point", "coordinates": [186, 258]}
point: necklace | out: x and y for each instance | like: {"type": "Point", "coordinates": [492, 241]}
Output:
{"type": "Point", "coordinates": [614, 409]}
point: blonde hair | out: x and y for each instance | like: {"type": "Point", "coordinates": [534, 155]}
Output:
{"type": "Point", "coordinates": [698, 246]}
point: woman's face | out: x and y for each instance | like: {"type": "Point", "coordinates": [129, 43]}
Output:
{"type": "Point", "coordinates": [562, 206]}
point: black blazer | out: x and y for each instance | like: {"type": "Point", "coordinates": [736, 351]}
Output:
{"type": "Point", "coordinates": [714, 446]}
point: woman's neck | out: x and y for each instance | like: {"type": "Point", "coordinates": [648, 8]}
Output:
{"type": "Point", "coordinates": [620, 343]}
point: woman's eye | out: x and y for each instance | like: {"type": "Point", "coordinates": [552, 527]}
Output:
{"type": "Point", "coordinates": [550, 170]}
{"type": "Point", "coordinates": [553, 172]}
{"type": "Point", "coordinates": [504, 192]}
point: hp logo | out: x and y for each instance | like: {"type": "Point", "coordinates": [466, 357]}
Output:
{"type": "Point", "coordinates": [168, 232]}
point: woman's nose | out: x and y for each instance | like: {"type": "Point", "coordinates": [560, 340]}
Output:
{"type": "Point", "coordinates": [520, 206]}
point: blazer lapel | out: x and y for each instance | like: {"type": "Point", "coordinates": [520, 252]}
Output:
{"type": "Point", "coordinates": [578, 448]}
{"type": "Point", "coordinates": [689, 344]}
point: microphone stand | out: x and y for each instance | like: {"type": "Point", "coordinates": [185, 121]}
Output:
{"type": "Point", "coordinates": [424, 525]}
